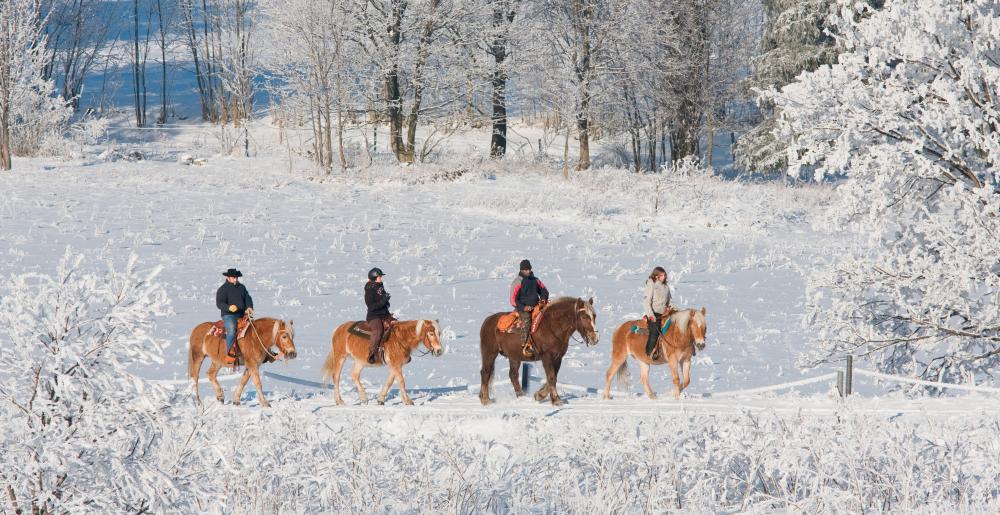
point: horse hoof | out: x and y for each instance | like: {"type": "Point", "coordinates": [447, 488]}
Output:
{"type": "Point", "coordinates": [652, 396]}
{"type": "Point", "coordinates": [265, 404]}
{"type": "Point", "coordinates": [236, 403]}
{"type": "Point", "coordinates": [485, 401]}
{"type": "Point", "coordinates": [557, 402]}
{"type": "Point", "coordinates": [340, 402]}
{"type": "Point", "coordinates": [539, 396]}
{"type": "Point", "coordinates": [381, 402]}
{"type": "Point", "coordinates": [408, 402]}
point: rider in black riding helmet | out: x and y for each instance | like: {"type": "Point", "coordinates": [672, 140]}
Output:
{"type": "Point", "coordinates": [377, 301]}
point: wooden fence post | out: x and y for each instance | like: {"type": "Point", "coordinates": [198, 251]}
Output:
{"type": "Point", "coordinates": [840, 383]}
{"type": "Point", "coordinates": [849, 376]}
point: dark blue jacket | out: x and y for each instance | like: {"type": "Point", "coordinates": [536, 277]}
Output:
{"type": "Point", "coordinates": [527, 291]}
{"type": "Point", "coordinates": [230, 294]}
{"type": "Point", "coordinates": [377, 300]}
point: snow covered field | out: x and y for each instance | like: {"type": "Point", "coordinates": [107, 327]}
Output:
{"type": "Point", "coordinates": [450, 236]}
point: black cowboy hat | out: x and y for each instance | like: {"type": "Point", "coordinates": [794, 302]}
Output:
{"type": "Point", "coordinates": [232, 272]}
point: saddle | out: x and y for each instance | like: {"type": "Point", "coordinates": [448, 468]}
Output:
{"type": "Point", "coordinates": [363, 330]}
{"type": "Point", "coordinates": [218, 330]}
{"type": "Point", "coordinates": [511, 322]}
{"type": "Point", "coordinates": [642, 327]}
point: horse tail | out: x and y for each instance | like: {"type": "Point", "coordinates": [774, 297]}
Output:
{"type": "Point", "coordinates": [622, 375]}
{"type": "Point", "coordinates": [194, 356]}
{"type": "Point", "coordinates": [330, 362]}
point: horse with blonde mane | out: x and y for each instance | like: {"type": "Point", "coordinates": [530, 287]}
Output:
{"type": "Point", "coordinates": [256, 347]}
{"type": "Point", "coordinates": [403, 338]}
{"type": "Point", "coordinates": [677, 345]}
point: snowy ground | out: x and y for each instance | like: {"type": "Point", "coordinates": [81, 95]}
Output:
{"type": "Point", "coordinates": [450, 236]}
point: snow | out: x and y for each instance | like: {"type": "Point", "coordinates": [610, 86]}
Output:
{"type": "Point", "coordinates": [449, 244]}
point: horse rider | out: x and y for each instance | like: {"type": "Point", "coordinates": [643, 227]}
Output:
{"type": "Point", "coordinates": [235, 302]}
{"type": "Point", "coordinates": [377, 300]}
{"type": "Point", "coordinates": [526, 292]}
{"type": "Point", "coordinates": [655, 303]}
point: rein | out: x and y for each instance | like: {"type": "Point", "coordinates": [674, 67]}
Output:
{"type": "Point", "coordinates": [261, 342]}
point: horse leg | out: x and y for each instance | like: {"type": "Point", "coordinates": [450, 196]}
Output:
{"type": "Point", "coordinates": [551, 371]}
{"type": "Point", "coordinates": [515, 377]}
{"type": "Point", "coordinates": [398, 372]}
{"type": "Point", "coordinates": [359, 365]}
{"type": "Point", "coordinates": [553, 392]}
{"type": "Point", "coordinates": [644, 379]}
{"type": "Point", "coordinates": [486, 375]}
{"type": "Point", "coordinates": [686, 367]}
{"type": "Point", "coordinates": [213, 377]}
{"type": "Point", "coordinates": [543, 392]}
{"type": "Point", "coordinates": [384, 394]}
{"type": "Point", "coordinates": [617, 362]}
{"type": "Point", "coordinates": [238, 392]}
{"type": "Point", "coordinates": [672, 361]}
{"type": "Point", "coordinates": [260, 390]}
{"type": "Point", "coordinates": [338, 366]}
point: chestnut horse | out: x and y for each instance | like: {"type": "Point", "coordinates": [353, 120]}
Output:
{"type": "Point", "coordinates": [402, 340]}
{"type": "Point", "coordinates": [560, 319]}
{"type": "Point", "coordinates": [677, 345]}
{"type": "Point", "coordinates": [256, 345]}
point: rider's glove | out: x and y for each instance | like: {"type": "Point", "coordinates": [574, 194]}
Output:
{"type": "Point", "coordinates": [233, 308]}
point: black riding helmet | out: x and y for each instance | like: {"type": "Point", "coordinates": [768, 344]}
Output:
{"type": "Point", "coordinates": [375, 273]}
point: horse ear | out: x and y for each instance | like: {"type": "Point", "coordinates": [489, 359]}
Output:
{"type": "Point", "coordinates": [591, 301]}
{"type": "Point", "coordinates": [703, 310]}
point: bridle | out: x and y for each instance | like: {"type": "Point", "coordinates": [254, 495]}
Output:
{"type": "Point", "coordinates": [274, 338]}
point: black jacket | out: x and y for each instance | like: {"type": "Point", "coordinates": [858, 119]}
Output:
{"type": "Point", "coordinates": [230, 294]}
{"type": "Point", "coordinates": [377, 300]}
{"type": "Point", "coordinates": [527, 292]}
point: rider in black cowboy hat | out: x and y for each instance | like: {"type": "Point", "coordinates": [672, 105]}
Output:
{"type": "Point", "coordinates": [234, 301]}
{"type": "Point", "coordinates": [377, 301]}
{"type": "Point", "coordinates": [526, 292]}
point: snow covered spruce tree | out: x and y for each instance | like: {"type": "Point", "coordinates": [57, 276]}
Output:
{"type": "Point", "coordinates": [794, 41]}
{"type": "Point", "coordinates": [909, 115]}
{"type": "Point", "coordinates": [80, 432]}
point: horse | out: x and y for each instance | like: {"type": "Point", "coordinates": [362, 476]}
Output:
{"type": "Point", "coordinates": [256, 345]}
{"type": "Point", "coordinates": [685, 334]}
{"type": "Point", "coordinates": [560, 319]}
{"type": "Point", "coordinates": [404, 337]}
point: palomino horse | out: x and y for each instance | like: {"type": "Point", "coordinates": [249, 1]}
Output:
{"type": "Point", "coordinates": [686, 332]}
{"type": "Point", "coordinates": [256, 345]}
{"type": "Point", "coordinates": [560, 319]}
{"type": "Point", "coordinates": [404, 338]}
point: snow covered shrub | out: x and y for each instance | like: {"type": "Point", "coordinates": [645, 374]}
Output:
{"type": "Point", "coordinates": [909, 116]}
{"type": "Point", "coordinates": [78, 430]}
{"type": "Point", "coordinates": [39, 121]}
{"type": "Point", "coordinates": [690, 166]}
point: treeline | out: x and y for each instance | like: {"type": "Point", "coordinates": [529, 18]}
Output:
{"type": "Point", "coordinates": [663, 77]}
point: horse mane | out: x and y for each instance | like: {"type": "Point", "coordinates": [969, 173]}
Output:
{"type": "Point", "coordinates": [560, 300]}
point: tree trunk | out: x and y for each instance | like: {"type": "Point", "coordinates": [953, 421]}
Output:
{"type": "Point", "coordinates": [391, 90]}
{"type": "Point", "coordinates": [138, 81]}
{"type": "Point", "coordinates": [5, 155]}
{"type": "Point", "coordinates": [501, 22]}
{"type": "Point", "coordinates": [423, 52]}
{"type": "Point", "coordinates": [162, 119]}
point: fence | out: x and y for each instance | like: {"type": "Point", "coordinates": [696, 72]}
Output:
{"type": "Point", "coordinates": [844, 383]}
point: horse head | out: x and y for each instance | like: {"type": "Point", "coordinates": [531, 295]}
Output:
{"type": "Point", "coordinates": [586, 321]}
{"type": "Point", "coordinates": [697, 327]}
{"type": "Point", "coordinates": [428, 332]}
{"type": "Point", "coordinates": [284, 338]}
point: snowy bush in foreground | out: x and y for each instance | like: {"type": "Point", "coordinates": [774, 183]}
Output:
{"type": "Point", "coordinates": [418, 462]}
{"type": "Point", "coordinates": [909, 115]}
{"type": "Point", "coordinates": [78, 431]}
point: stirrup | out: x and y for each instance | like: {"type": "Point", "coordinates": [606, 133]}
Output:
{"type": "Point", "coordinates": [528, 350]}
